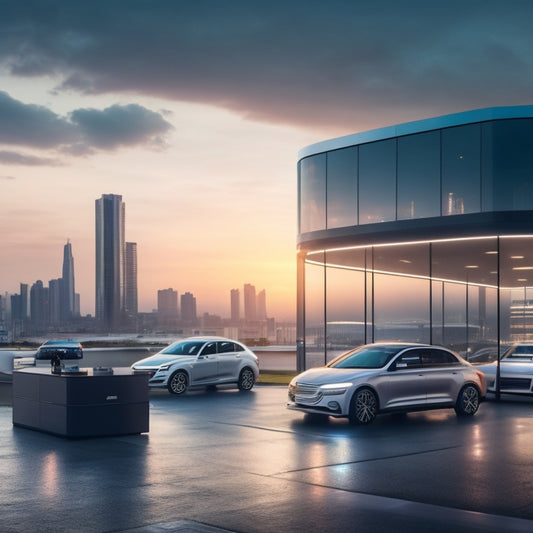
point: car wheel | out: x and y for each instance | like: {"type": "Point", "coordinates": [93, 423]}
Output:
{"type": "Point", "coordinates": [363, 407]}
{"type": "Point", "coordinates": [246, 379]}
{"type": "Point", "coordinates": [178, 382]}
{"type": "Point", "coordinates": [468, 401]}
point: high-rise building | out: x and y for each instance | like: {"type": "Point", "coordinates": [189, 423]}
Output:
{"type": "Point", "coordinates": [235, 305]}
{"type": "Point", "coordinates": [250, 304]}
{"type": "Point", "coordinates": [110, 221]}
{"type": "Point", "coordinates": [188, 309]}
{"type": "Point", "coordinates": [68, 296]}
{"type": "Point", "coordinates": [261, 305]}
{"type": "Point", "coordinates": [167, 307]}
{"type": "Point", "coordinates": [39, 305]}
{"type": "Point", "coordinates": [130, 279]}
{"type": "Point", "coordinates": [56, 300]}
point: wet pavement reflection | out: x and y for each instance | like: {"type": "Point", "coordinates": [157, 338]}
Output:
{"type": "Point", "coordinates": [242, 462]}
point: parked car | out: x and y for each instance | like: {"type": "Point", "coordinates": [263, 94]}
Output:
{"type": "Point", "coordinates": [71, 351]}
{"type": "Point", "coordinates": [386, 377]}
{"type": "Point", "coordinates": [516, 370]}
{"type": "Point", "coordinates": [201, 361]}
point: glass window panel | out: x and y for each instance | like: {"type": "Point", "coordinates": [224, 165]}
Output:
{"type": "Point", "coordinates": [461, 192]}
{"type": "Point", "coordinates": [315, 322]}
{"type": "Point", "coordinates": [342, 187]}
{"type": "Point", "coordinates": [454, 330]}
{"type": "Point", "coordinates": [401, 309]}
{"type": "Point", "coordinates": [419, 176]}
{"type": "Point", "coordinates": [507, 165]}
{"type": "Point", "coordinates": [313, 193]}
{"type": "Point", "coordinates": [408, 259]}
{"type": "Point", "coordinates": [345, 311]}
{"type": "Point", "coordinates": [472, 261]}
{"type": "Point", "coordinates": [437, 312]}
{"type": "Point", "coordinates": [377, 182]}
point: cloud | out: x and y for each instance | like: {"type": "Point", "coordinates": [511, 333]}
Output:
{"type": "Point", "coordinates": [305, 62]}
{"type": "Point", "coordinates": [118, 126]}
{"type": "Point", "coordinates": [16, 158]}
{"type": "Point", "coordinates": [83, 132]}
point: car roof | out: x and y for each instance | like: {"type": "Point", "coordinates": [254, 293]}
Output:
{"type": "Point", "coordinates": [64, 344]}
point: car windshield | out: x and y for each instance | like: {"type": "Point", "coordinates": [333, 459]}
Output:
{"type": "Point", "coordinates": [183, 348]}
{"type": "Point", "coordinates": [366, 357]}
{"type": "Point", "coordinates": [47, 353]}
{"type": "Point", "coordinates": [519, 351]}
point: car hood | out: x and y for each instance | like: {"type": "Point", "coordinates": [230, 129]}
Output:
{"type": "Point", "coordinates": [322, 376]}
{"type": "Point", "coordinates": [155, 361]}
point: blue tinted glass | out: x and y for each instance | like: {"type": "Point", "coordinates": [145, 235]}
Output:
{"type": "Point", "coordinates": [419, 176]}
{"type": "Point", "coordinates": [377, 182]}
{"type": "Point", "coordinates": [342, 188]}
{"type": "Point", "coordinates": [507, 177]}
{"type": "Point", "coordinates": [461, 170]}
{"type": "Point", "coordinates": [313, 193]}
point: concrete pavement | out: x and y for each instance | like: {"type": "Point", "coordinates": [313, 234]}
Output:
{"type": "Point", "coordinates": [241, 462]}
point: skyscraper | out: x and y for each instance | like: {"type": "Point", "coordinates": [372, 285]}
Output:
{"type": "Point", "coordinates": [130, 279]}
{"type": "Point", "coordinates": [110, 219]}
{"type": "Point", "coordinates": [188, 309]}
{"type": "Point", "coordinates": [167, 307]}
{"type": "Point", "coordinates": [250, 304]}
{"type": "Point", "coordinates": [261, 305]}
{"type": "Point", "coordinates": [235, 305]}
{"type": "Point", "coordinates": [68, 293]}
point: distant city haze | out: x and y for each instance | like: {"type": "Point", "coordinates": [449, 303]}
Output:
{"type": "Point", "coordinates": [194, 112]}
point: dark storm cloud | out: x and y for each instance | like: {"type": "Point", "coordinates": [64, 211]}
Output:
{"type": "Point", "coordinates": [85, 131]}
{"type": "Point", "coordinates": [336, 63]}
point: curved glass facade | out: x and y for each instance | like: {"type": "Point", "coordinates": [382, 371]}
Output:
{"type": "Point", "coordinates": [418, 232]}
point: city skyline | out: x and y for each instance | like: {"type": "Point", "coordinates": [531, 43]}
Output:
{"type": "Point", "coordinates": [195, 113]}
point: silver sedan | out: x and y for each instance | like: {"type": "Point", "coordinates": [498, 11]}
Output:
{"type": "Point", "coordinates": [387, 377]}
{"type": "Point", "coordinates": [201, 361]}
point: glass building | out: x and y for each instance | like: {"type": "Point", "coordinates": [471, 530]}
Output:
{"type": "Point", "coordinates": [418, 232]}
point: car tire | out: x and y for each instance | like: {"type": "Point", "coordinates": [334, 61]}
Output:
{"type": "Point", "coordinates": [246, 379]}
{"type": "Point", "coordinates": [178, 382]}
{"type": "Point", "coordinates": [468, 401]}
{"type": "Point", "coordinates": [363, 407]}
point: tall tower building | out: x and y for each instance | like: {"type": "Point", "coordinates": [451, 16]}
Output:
{"type": "Point", "coordinates": [110, 219]}
{"type": "Point", "coordinates": [130, 279]}
{"type": "Point", "coordinates": [167, 307]}
{"type": "Point", "coordinates": [261, 305]}
{"type": "Point", "coordinates": [188, 309]}
{"type": "Point", "coordinates": [68, 296]}
{"type": "Point", "coordinates": [235, 305]}
{"type": "Point", "coordinates": [250, 304]}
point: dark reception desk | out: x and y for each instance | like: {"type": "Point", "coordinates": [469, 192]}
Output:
{"type": "Point", "coordinates": [85, 404]}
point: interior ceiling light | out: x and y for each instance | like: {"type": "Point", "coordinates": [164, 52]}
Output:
{"type": "Point", "coordinates": [517, 257]}
{"type": "Point", "coordinates": [523, 268]}
{"type": "Point", "coordinates": [471, 266]}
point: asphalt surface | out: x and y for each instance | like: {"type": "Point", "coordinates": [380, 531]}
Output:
{"type": "Point", "coordinates": [241, 462]}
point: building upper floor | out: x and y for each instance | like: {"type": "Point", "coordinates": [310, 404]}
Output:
{"type": "Point", "coordinates": [475, 162]}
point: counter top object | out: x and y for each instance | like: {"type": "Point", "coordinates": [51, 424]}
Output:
{"type": "Point", "coordinates": [81, 404]}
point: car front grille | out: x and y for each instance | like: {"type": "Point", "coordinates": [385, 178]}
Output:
{"type": "Point", "coordinates": [515, 383]}
{"type": "Point", "coordinates": [305, 394]}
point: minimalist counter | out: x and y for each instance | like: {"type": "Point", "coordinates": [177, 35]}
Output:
{"type": "Point", "coordinates": [84, 404]}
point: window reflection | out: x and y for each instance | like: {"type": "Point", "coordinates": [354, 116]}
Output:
{"type": "Point", "coordinates": [377, 182]}
{"type": "Point", "coordinates": [342, 188]}
{"type": "Point", "coordinates": [313, 193]}
{"type": "Point", "coordinates": [419, 176]}
{"type": "Point", "coordinates": [461, 170]}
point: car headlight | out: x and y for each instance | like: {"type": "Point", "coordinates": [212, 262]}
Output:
{"type": "Point", "coordinates": [335, 388]}
{"type": "Point", "coordinates": [163, 368]}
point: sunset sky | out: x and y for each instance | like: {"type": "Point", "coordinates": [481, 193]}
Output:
{"type": "Point", "coordinates": [194, 112]}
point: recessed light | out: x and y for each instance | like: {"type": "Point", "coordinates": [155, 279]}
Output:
{"type": "Point", "coordinates": [517, 257]}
